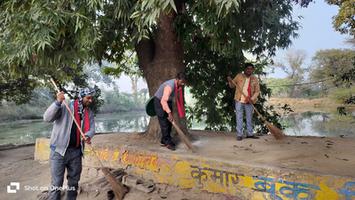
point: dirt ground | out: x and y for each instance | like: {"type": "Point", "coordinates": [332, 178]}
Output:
{"type": "Point", "coordinates": [331, 155]}
{"type": "Point", "coordinates": [17, 165]}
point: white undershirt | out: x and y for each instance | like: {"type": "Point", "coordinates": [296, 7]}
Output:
{"type": "Point", "coordinates": [245, 89]}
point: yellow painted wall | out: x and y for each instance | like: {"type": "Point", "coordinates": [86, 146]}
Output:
{"type": "Point", "coordinates": [219, 177]}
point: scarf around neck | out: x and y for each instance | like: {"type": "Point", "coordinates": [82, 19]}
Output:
{"type": "Point", "coordinates": [179, 98]}
{"type": "Point", "coordinates": [79, 111]}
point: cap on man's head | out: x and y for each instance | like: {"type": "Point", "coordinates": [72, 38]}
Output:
{"type": "Point", "coordinates": [86, 92]}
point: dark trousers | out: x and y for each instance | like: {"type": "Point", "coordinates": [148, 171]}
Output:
{"type": "Point", "coordinates": [165, 124]}
{"type": "Point", "coordinates": [70, 161]}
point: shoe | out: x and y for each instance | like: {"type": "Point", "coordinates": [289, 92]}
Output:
{"type": "Point", "coordinates": [171, 147]}
{"type": "Point", "coordinates": [239, 138]}
{"type": "Point", "coordinates": [110, 195]}
{"type": "Point", "coordinates": [252, 137]}
{"type": "Point", "coordinates": [162, 144]}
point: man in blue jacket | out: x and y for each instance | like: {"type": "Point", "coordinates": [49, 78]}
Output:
{"type": "Point", "coordinates": [66, 144]}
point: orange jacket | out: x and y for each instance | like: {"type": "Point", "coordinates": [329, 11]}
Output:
{"type": "Point", "coordinates": [239, 79]}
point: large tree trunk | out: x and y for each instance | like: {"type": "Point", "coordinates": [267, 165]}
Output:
{"type": "Point", "coordinates": [160, 59]}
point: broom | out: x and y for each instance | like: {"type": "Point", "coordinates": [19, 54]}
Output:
{"type": "Point", "coordinates": [118, 189]}
{"type": "Point", "coordinates": [183, 137]}
{"type": "Point", "coordinates": [276, 132]}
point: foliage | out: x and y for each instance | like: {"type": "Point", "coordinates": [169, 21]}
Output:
{"type": "Point", "coordinates": [294, 69]}
{"type": "Point", "coordinates": [57, 38]}
{"type": "Point", "coordinates": [218, 113]}
{"type": "Point", "coordinates": [280, 87]}
{"type": "Point", "coordinates": [341, 95]}
{"type": "Point", "coordinates": [344, 21]}
{"type": "Point", "coordinates": [128, 65]}
{"type": "Point", "coordinates": [39, 39]}
{"type": "Point", "coordinates": [18, 90]}
{"type": "Point", "coordinates": [214, 48]}
{"type": "Point", "coordinates": [95, 74]}
{"type": "Point", "coordinates": [41, 98]}
{"type": "Point", "coordinates": [118, 102]}
{"type": "Point", "coordinates": [337, 65]}
{"type": "Point", "coordinates": [110, 102]}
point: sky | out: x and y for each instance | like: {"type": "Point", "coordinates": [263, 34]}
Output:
{"type": "Point", "coordinates": [124, 84]}
{"type": "Point", "coordinates": [316, 33]}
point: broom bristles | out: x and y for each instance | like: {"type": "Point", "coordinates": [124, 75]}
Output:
{"type": "Point", "coordinates": [118, 189]}
{"type": "Point", "coordinates": [276, 132]}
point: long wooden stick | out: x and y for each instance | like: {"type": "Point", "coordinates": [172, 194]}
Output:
{"type": "Point", "coordinates": [276, 132]}
{"type": "Point", "coordinates": [183, 137]}
{"type": "Point", "coordinates": [118, 189]}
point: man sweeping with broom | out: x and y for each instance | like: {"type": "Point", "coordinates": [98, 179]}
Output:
{"type": "Point", "coordinates": [163, 98]}
{"type": "Point", "coordinates": [248, 84]}
{"type": "Point", "coordinates": [66, 144]}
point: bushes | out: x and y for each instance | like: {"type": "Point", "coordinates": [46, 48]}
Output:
{"type": "Point", "coordinates": [340, 95]}
{"type": "Point", "coordinates": [118, 102]}
{"type": "Point", "coordinates": [11, 111]}
{"type": "Point", "coordinates": [42, 98]}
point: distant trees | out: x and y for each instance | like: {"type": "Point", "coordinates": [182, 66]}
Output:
{"type": "Point", "coordinates": [293, 66]}
{"type": "Point", "coordinates": [344, 23]}
{"type": "Point", "coordinates": [337, 68]}
{"type": "Point", "coordinates": [122, 102]}
{"type": "Point", "coordinates": [113, 102]}
{"type": "Point", "coordinates": [334, 64]}
{"type": "Point", "coordinates": [280, 86]}
{"type": "Point", "coordinates": [330, 69]}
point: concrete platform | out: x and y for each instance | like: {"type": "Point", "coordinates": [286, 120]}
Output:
{"type": "Point", "coordinates": [294, 168]}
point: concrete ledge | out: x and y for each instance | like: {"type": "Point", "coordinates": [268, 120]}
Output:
{"type": "Point", "coordinates": [243, 180]}
{"type": "Point", "coordinates": [42, 149]}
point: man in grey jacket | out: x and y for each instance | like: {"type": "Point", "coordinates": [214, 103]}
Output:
{"type": "Point", "coordinates": [66, 144]}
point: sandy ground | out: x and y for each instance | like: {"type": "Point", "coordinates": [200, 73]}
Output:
{"type": "Point", "coordinates": [17, 165]}
{"type": "Point", "coordinates": [321, 155]}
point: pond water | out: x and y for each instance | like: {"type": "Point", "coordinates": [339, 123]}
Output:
{"type": "Point", "coordinates": [26, 131]}
{"type": "Point", "coordinates": [303, 124]}
{"type": "Point", "coordinates": [319, 124]}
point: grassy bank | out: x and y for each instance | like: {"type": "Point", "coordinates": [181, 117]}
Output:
{"type": "Point", "coordinates": [302, 105]}
{"type": "Point", "coordinates": [12, 112]}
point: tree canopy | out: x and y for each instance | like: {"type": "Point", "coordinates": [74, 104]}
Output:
{"type": "Point", "coordinates": [344, 21]}
{"type": "Point", "coordinates": [44, 38]}
{"type": "Point", "coordinates": [336, 65]}
{"type": "Point", "coordinates": [208, 38]}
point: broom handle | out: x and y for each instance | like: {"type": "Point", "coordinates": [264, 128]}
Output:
{"type": "Point", "coordinates": [241, 91]}
{"type": "Point", "coordinates": [77, 124]}
{"type": "Point", "coordinates": [109, 176]}
{"type": "Point", "coordinates": [183, 137]}
{"type": "Point", "coordinates": [70, 112]}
